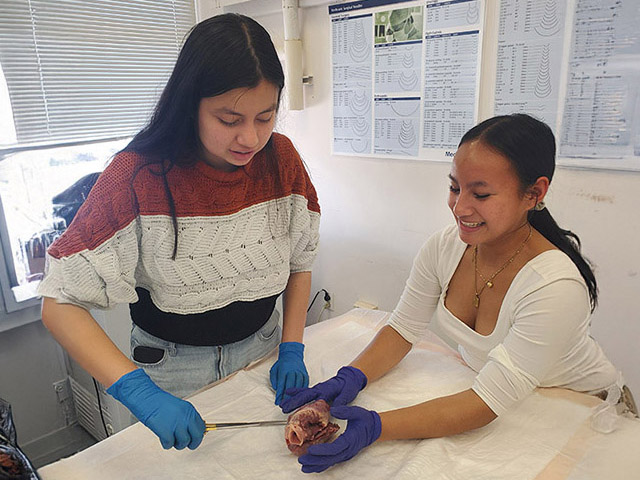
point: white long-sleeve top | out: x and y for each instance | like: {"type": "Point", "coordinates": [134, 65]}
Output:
{"type": "Point", "coordinates": [541, 337]}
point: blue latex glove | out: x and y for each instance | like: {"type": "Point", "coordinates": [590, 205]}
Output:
{"type": "Point", "coordinates": [289, 371]}
{"type": "Point", "coordinates": [363, 428]}
{"type": "Point", "coordinates": [337, 391]}
{"type": "Point", "coordinates": [175, 421]}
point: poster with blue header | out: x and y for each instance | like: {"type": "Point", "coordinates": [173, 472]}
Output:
{"type": "Point", "coordinates": [405, 76]}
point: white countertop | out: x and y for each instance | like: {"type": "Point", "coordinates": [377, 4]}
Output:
{"type": "Point", "coordinates": [546, 436]}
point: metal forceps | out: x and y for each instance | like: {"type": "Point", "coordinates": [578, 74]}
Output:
{"type": "Point", "coordinates": [209, 427]}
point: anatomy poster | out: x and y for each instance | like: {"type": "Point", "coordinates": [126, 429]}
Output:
{"type": "Point", "coordinates": [575, 64]}
{"type": "Point", "coordinates": [601, 110]}
{"type": "Point", "coordinates": [408, 83]}
{"type": "Point", "coordinates": [405, 76]}
{"type": "Point", "coordinates": [530, 56]}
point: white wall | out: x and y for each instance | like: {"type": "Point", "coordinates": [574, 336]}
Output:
{"type": "Point", "coordinates": [30, 363]}
{"type": "Point", "coordinates": [377, 212]}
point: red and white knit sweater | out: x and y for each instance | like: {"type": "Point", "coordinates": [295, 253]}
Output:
{"type": "Point", "coordinates": [241, 234]}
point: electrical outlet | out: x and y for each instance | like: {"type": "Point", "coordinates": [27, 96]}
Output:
{"type": "Point", "coordinates": [62, 389]}
{"type": "Point", "coordinates": [320, 302]}
{"type": "Point", "coordinates": [65, 399]}
{"type": "Point", "coordinates": [327, 301]}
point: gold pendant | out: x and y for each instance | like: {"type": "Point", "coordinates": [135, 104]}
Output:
{"type": "Point", "coordinates": [476, 300]}
{"type": "Point", "coordinates": [489, 284]}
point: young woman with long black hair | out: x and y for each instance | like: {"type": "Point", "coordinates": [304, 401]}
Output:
{"type": "Point", "coordinates": [200, 223]}
{"type": "Point", "coordinates": [504, 282]}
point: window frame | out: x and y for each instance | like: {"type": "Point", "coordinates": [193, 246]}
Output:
{"type": "Point", "coordinates": [14, 314]}
{"type": "Point", "coordinates": [8, 277]}
{"type": "Point", "coordinates": [8, 274]}
{"type": "Point", "coordinates": [13, 311]}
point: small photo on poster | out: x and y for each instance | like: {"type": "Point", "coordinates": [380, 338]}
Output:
{"type": "Point", "coordinates": [399, 25]}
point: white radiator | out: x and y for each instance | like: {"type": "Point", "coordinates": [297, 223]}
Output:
{"type": "Point", "coordinates": [101, 419]}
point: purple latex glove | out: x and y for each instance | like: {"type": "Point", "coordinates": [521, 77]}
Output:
{"type": "Point", "coordinates": [363, 428]}
{"type": "Point", "coordinates": [175, 421]}
{"type": "Point", "coordinates": [339, 390]}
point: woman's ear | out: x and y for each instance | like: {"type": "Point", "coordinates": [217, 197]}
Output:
{"type": "Point", "coordinates": [538, 190]}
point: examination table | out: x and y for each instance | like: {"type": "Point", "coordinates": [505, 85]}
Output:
{"type": "Point", "coordinates": [546, 436]}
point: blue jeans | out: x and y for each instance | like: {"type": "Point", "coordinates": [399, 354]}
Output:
{"type": "Point", "coordinates": [183, 369]}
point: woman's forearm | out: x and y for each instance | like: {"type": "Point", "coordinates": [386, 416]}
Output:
{"type": "Point", "coordinates": [295, 300]}
{"type": "Point", "coordinates": [81, 336]}
{"type": "Point", "coordinates": [439, 417]}
{"type": "Point", "coordinates": [383, 353]}
{"type": "Point", "coordinates": [435, 418]}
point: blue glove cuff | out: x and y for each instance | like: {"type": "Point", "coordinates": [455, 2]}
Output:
{"type": "Point", "coordinates": [295, 348]}
{"type": "Point", "coordinates": [120, 387]}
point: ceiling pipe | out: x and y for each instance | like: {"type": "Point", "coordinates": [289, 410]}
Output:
{"type": "Point", "coordinates": [292, 55]}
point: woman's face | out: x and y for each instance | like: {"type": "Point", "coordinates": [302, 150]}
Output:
{"type": "Point", "coordinates": [485, 195]}
{"type": "Point", "coordinates": [236, 125]}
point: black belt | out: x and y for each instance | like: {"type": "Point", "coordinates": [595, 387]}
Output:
{"type": "Point", "coordinates": [222, 326]}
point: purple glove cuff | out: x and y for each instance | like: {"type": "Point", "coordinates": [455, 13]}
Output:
{"type": "Point", "coordinates": [358, 377]}
{"type": "Point", "coordinates": [377, 426]}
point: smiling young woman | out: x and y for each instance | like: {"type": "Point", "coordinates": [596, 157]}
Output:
{"type": "Point", "coordinates": [487, 199]}
{"type": "Point", "coordinates": [504, 282]}
{"type": "Point", "coordinates": [491, 207]}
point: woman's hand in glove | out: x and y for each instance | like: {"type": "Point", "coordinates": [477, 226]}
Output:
{"type": "Point", "coordinates": [363, 428]}
{"type": "Point", "coordinates": [175, 421]}
{"type": "Point", "coordinates": [339, 390]}
{"type": "Point", "coordinates": [289, 370]}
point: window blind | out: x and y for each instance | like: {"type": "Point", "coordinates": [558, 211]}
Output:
{"type": "Point", "coordinates": [87, 69]}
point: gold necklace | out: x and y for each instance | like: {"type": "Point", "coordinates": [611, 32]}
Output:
{"type": "Point", "coordinates": [489, 282]}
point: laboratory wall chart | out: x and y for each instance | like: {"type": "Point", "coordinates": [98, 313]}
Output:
{"type": "Point", "coordinates": [405, 76]}
{"type": "Point", "coordinates": [410, 77]}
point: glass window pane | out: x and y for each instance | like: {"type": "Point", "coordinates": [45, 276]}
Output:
{"type": "Point", "coordinates": [29, 181]}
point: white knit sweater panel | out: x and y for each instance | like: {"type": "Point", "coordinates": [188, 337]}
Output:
{"type": "Point", "coordinates": [243, 256]}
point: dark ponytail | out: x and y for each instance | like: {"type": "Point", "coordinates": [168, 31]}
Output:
{"type": "Point", "coordinates": [569, 243]}
{"type": "Point", "coordinates": [530, 146]}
